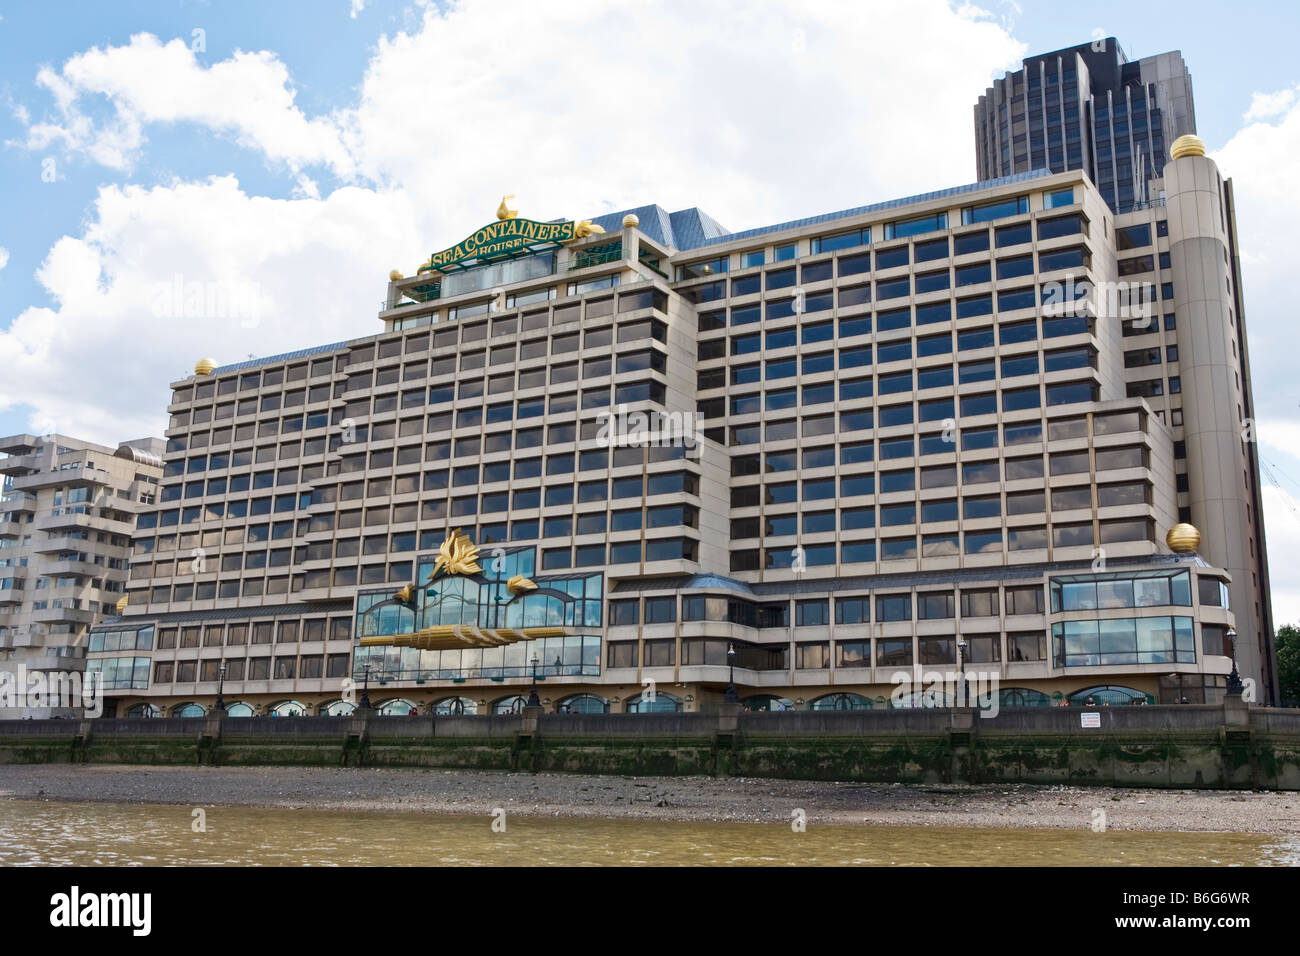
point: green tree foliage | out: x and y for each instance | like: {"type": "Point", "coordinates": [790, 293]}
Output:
{"type": "Point", "coordinates": [1288, 664]}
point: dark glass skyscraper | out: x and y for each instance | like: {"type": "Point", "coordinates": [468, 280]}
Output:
{"type": "Point", "coordinates": [1087, 107]}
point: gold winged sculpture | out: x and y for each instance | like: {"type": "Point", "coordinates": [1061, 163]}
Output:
{"type": "Point", "coordinates": [457, 555]}
{"type": "Point", "coordinates": [504, 211]}
{"type": "Point", "coordinates": [519, 584]}
{"type": "Point", "coordinates": [586, 228]}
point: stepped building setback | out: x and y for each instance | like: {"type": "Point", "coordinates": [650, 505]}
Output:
{"type": "Point", "coordinates": [840, 461]}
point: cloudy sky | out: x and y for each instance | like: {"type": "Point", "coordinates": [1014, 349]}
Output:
{"type": "Point", "coordinates": [231, 179]}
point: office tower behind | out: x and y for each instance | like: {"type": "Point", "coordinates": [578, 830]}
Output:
{"type": "Point", "coordinates": [1087, 107]}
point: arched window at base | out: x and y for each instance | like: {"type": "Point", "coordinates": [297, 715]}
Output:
{"type": "Point", "coordinates": [661, 704]}
{"type": "Point", "coordinates": [919, 699]}
{"type": "Point", "coordinates": [455, 707]}
{"type": "Point", "coordinates": [842, 702]}
{"type": "Point", "coordinates": [583, 704]}
{"type": "Point", "coordinates": [767, 702]}
{"type": "Point", "coordinates": [1023, 697]}
{"type": "Point", "coordinates": [1109, 695]}
{"type": "Point", "coordinates": [287, 708]}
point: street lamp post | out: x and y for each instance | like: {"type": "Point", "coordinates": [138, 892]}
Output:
{"type": "Point", "coordinates": [221, 683]}
{"type": "Point", "coordinates": [365, 686]}
{"type": "Point", "coordinates": [1235, 687]}
{"type": "Point", "coordinates": [961, 673]}
{"type": "Point", "coordinates": [731, 697]}
{"type": "Point", "coordinates": [533, 700]}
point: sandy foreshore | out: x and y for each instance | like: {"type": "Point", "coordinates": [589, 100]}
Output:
{"type": "Point", "coordinates": [657, 798]}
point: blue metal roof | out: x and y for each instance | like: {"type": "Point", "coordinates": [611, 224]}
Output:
{"type": "Point", "coordinates": [693, 228]}
{"type": "Point", "coordinates": [684, 229]}
{"type": "Point", "coordinates": [283, 357]}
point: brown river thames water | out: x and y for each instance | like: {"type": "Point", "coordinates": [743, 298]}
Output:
{"type": "Point", "coordinates": [90, 834]}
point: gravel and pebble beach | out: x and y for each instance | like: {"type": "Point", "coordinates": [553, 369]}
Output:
{"type": "Point", "coordinates": [699, 799]}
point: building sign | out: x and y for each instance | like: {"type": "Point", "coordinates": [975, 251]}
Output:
{"type": "Point", "coordinates": [1090, 719]}
{"type": "Point", "coordinates": [499, 239]}
{"type": "Point", "coordinates": [507, 236]}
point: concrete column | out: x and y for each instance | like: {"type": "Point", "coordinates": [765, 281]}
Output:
{"type": "Point", "coordinates": [1211, 397]}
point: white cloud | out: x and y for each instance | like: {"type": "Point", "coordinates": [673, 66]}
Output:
{"type": "Point", "coordinates": [1283, 530]}
{"type": "Point", "coordinates": [307, 271]}
{"type": "Point", "coordinates": [357, 7]}
{"type": "Point", "coordinates": [4, 257]}
{"type": "Point", "coordinates": [1261, 155]}
{"type": "Point", "coordinates": [754, 118]}
{"type": "Point", "coordinates": [248, 95]}
{"type": "Point", "coordinates": [1266, 105]}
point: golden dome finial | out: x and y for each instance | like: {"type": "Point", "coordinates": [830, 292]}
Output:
{"type": "Point", "coordinates": [1183, 538]}
{"type": "Point", "coordinates": [204, 366]}
{"type": "Point", "coordinates": [395, 275]}
{"type": "Point", "coordinates": [504, 211]}
{"type": "Point", "coordinates": [631, 221]}
{"type": "Point", "coordinates": [1189, 145]}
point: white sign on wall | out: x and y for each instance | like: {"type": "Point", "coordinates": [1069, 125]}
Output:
{"type": "Point", "coordinates": [1090, 719]}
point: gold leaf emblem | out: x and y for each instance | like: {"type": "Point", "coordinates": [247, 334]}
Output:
{"type": "Point", "coordinates": [457, 555]}
{"type": "Point", "coordinates": [519, 584]}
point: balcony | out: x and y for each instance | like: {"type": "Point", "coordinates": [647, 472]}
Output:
{"type": "Point", "coordinates": [17, 502]}
{"type": "Point", "coordinates": [11, 529]}
{"type": "Point", "coordinates": [27, 637]}
{"type": "Point", "coordinates": [56, 544]}
{"type": "Point", "coordinates": [597, 255]}
{"type": "Point", "coordinates": [61, 477]}
{"type": "Point", "coordinates": [63, 615]}
{"type": "Point", "coordinates": [83, 521]}
{"type": "Point", "coordinates": [87, 568]}
{"type": "Point", "coordinates": [19, 465]}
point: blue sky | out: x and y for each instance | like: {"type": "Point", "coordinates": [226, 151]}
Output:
{"type": "Point", "coordinates": [296, 151]}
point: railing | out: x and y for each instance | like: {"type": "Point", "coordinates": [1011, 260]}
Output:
{"type": "Point", "coordinates": [598, 256]}
{"type": "Point", "coordinates": [1144, 204]}
{"type": "Point", "coordinates": [478, 673]}
{"type": "Point", "coordinates": [646, 261]}
{"type": "Point", "coordinates": [424, 293]}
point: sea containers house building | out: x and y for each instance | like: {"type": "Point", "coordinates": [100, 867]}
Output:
{"type": "Point", "coordinates": [931, 439]}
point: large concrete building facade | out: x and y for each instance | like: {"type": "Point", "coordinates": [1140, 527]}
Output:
{"type": "Point", "coordinates": [67, 514]}
{"type": "Point", "coordinates": [841, 460]}
{"type": "Point", "coordinates": [1087, 107]}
